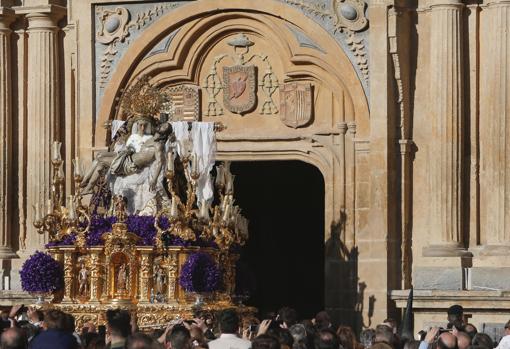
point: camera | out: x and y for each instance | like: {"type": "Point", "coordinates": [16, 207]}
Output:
{"type": "Point", "coordinates": [253, 328]}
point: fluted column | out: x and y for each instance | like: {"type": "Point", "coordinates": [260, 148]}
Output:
{"type": "Point", "coordinates": [447, 118]}
{"type": "Point", "coordinates": [43, 113]}
{"type": "Point", "coordinates": [495, 125]}
{"type": "Point", "coordinates": [6, 139]}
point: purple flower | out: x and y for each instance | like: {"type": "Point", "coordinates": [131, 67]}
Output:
{"type": "Point", "coordinates": [143, 226]}
{"type": "Point", "coordinates": [41, 273]}
{"type": "Point", "coordinates": [200, 273]}
{"type": "Point", "coordinates": [66, 241]}
{"type": "Point", "coordinates": [98, 226]}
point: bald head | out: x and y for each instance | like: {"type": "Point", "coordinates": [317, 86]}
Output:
{"type": "Point", "coordinates": [13, 338]}
{"type": "Point", "coordinates": [447, 341]}
{"type": "Point", "coordinates": [463, 340]}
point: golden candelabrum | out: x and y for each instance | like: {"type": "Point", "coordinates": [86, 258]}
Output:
{"type": "Point", "coordinates": [143, 279]}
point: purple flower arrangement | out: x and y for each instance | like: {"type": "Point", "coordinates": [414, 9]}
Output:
{"type": "Point", "coordinates": [200, 273]}
{"type": "Point", "coordinates": [142, 226]}
{"type": "Point", "coordinates": [41, 274]}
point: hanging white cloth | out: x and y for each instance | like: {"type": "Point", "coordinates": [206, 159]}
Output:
{"type": "Point", "coordinates": [181, 136]}
{"type": "Point", "coordinates": [204, 148]}
{"type": "Point", "coordinates": [116, 125]}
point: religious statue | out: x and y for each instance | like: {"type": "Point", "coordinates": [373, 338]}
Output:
{"type": "Point", "coordinates": [83, 278]}
{"type": "Point", "coordinates": [141, 131]}
{"type": "Point", "coordinates": [137, 171]}
{"type": "Point", "coordinates": [122, 277]}
{"type": "Point", "coordinates": [159, 278]}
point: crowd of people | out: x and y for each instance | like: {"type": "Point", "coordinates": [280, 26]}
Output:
{"type": "Point", "coordinates": [54, 329]}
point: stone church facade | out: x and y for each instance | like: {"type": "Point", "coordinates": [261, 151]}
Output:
{"type": "Point", "coordinates": [404, 107]}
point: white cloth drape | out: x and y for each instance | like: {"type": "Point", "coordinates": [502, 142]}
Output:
{"type": "Point", "coordinates": [181, 134]}
{"type": "Point", "coordinates": [116, 125]}
{"type": "Point", "coordinates": [204, 147]}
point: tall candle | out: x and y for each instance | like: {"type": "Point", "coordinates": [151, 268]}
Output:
{"type": "Point", "coordinates": [72, 209]}
{"type": "Point", "coordinates": [204, 210]}
{"type": "Point", "coordinates": [37, 213]}
{"type": "Point", "coordinates": [7, 283]}
{"type": "Point", "coordinates": [173, 208]}
{"type": "Point", "coordinates": [50, 206]}
{"type": "Point", "coordinates": [78, 169]}
{"type": "Point", "coordinates": [170, 161]}
{"type": "Point", "coordinates": [56, 151]}
{"type": "Point", "coordinates": [220, 176]}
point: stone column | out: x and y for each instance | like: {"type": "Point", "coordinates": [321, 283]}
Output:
{"type": "Point", "coordinates": [495, 124]}
{"type": "Point", "coordinates": [43, 112]}
{"type": "Point", "coordinates": [447, 118]}
{"type": "Point", "coordinates": [6, 143]}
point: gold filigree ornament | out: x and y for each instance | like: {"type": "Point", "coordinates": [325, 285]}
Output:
{"type": "Point", "coordinates": [143, 99]}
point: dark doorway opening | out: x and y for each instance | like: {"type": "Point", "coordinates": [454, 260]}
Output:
{"type": "Point", "coordinates": [284, 201]}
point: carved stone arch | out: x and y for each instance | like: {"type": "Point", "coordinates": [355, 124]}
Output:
{"type": "Point", "coordinates": [335, 58]}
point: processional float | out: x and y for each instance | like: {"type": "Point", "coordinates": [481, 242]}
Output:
{"type": "Point", "coordinates": [159, 233]}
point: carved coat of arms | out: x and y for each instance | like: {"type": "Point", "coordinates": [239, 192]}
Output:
{"type": "Point", "coordinates": [296, 107]}
{"type": "Point", "coordinates": [239, 90]}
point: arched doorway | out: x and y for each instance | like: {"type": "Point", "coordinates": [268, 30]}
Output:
{"type": "Point", "coordinates": [284, 201]}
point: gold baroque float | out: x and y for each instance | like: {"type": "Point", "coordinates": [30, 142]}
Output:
{"type": "Point", "coordinates": [125, 271]}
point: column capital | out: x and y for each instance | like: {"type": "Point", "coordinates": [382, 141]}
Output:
{"type": "Point", "coordinates": [7, 16]}
{"type": "Point", "coordinates": [42, 17]}
{"type": "Point", "coordinates": [443, 4]}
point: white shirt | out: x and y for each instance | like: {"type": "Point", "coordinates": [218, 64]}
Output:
{"type": "Point", "coordinates": [229, 341]}
{"type": "Point", "coordinates": [504, 343]}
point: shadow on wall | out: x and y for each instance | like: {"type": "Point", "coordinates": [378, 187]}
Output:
{"type": "Point", "coordinates": [345, 293]}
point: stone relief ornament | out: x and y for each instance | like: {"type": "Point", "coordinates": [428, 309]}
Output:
{"type": "Point", "coordinates": [183, 102]}
{"type": "Point", "coordinates": [296, 104]}
{"type": "Point", "coordinates": [345, 20]}
{"type": "Point", "coordinates": [239, 90]}
{"type": "Point", "coordinates": [114, 28]}
{"type": "Point", "coordinates": [240, 83]}
{"type": "Point", "coordinates": [112, 25]}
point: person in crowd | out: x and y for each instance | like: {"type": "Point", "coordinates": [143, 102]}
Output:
{"type": "Point", "coordinates": [118, 327]}
{"type": "Point", "coordinates": [483, 340]}
{"type": "Point", "coordinates": [265, 341]}
{"type": "Point", "coordinates": [347, 337]}
{"type": "Point", "coordinates": [35, 317]}
{"type": "Point", "coordinates": [367, 337]}
{"type": "Point", "coordinates": [463, 339]}
{"type": "Point", "coordinates": [323, 321]}
{"type": "Point", "coordinates": [229, 327]}
{"type": "Point", "coordinates": [384, 334]}
{"type": "Point", "coordinates": [13, 338]}
{"type": "Point", "coordinates": [56, 334]}
{"type": "Point", "coordinates": [288, 316]}
{"type": "Point", "coordinates": [178, 337]}
{"type": "Point", "coordinates": [504, 343]}
{"type": "Point", "coordinates": [326, 339]}
{"type": "Point", "coordinates": [455, 317]}
{"type": "Point", "coordinates": [140, 341]}
{"type": "Point", "coordinates": [439, 340]}
{"type": "Point", "coordinates": [298, 333]}
{"type": "Point", "coordinates": [412, 344]}
{"type": "Point", "coordinates": [471, 330]}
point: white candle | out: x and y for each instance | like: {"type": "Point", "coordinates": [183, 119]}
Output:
{"type": "Point", "coordinates": [226, 214]}
{"type": "Point", "coordinates": [72, 209]}
{"type": "Point", "coordinates": [50, 206]}
{"type": "Point", "coordinates": [7, 283]}
{"type": "Point", "coordinates": [56, 151]}
{"type": "Point", "coordinates": [78, 169]}
{"type": "Point", "coordinates": [173, 208]}
{"type": "Point", "coordinates": [194, 164]}
{"type": "Point", "coordinates": [170, 161]}
{"type": "Point", "coordinates": [204, 210]}
{"type": "Point", "coordinates": [37, 213]}
{"type": "Point", "coordinates": [220, 176]}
